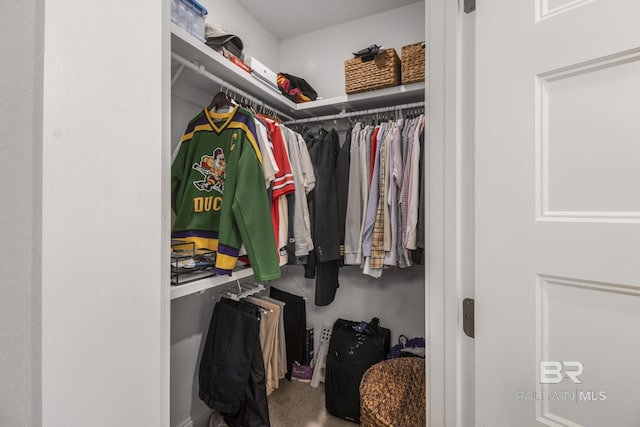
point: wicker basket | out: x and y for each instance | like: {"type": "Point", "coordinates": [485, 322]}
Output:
{"type": "Point", "coordinates": [413, 63]}
{"type": "Point", "coordinates": [393, 394]}
{"type": "Point", "coordinates": [383, 71]}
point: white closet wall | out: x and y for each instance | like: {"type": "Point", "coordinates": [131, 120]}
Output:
{"type": "Point", "coordinates": [398, 298]}
{"type": "Point", "coordinates": [20, 211]}
{"type": "Point", "coordinates": [319, 56]}
{"type": "Point", "coordinates": [105, 208]}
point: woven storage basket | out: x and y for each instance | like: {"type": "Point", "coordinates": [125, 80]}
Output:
{"type": "Point", "coordinates": [393, 394]}
{"type": "Point", "coordinates": [413, 63]}
{"type": "Point", "coordinates": [383, 71]}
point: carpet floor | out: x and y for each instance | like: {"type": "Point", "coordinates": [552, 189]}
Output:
{"type": "Point", "coordinates": [297, 404]}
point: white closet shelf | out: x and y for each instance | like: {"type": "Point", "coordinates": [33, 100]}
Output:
{"type": "Point", "coordinates": [193, 50]}
{"type": "Point", "coordinates": [208, 283]}
{"type": "Point", "coordinates": [362, 101]}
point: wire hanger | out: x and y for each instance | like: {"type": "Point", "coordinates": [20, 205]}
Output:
{"type": "Point", "coordinates": [240, 293]}
{"type": "Point", "coordinates": [262, 309]}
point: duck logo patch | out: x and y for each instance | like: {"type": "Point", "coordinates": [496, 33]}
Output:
{"type": "Point", "coordinates": [213, 169]}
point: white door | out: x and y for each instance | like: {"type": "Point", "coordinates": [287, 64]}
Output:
{"type": "Point", "coordinates": [558, 213]}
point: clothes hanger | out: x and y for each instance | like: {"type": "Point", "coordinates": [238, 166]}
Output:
{"type": "Point", "coordinates": [269, 299]}
{"type": "Point", "coordinates": [251, 290]}
{"type": "Point", "coordinates": [220, 100]}
{"type": "Point", "coordinates": [217, 297]}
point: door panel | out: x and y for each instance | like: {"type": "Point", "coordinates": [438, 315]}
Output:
{"type": "Point", "coordinates": [589, 319]}
{"type": "Point", "coordinates": [587, 141]}
{"type": "Point", "coordinates": [557, 212]}
{"type": "Point", "coordinates": [548, 8]}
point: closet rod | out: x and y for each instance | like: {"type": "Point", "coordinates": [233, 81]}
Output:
{"type": "Point", "coordinates": [201, 70]}
{"type": "Point", "coordinates": [356, 113]}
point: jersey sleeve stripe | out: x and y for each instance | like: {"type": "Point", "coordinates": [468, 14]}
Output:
{"type": "Point", "coordinates": [225, 262]}
{"type": "Point", "coordinates": [202, 242]}
{"type": "Point", "coordinates": [195, 233]}
{"type": "Point", "coordinates": [286, 176]}
{"type": "Point", "coordinates": [284, 184]}
{"type": "Point", "coordinates": [228, 250]}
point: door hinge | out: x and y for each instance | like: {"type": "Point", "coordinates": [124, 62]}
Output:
{"type": "Point", "coordinates": [469, 6]}
{"type": "Point", "coordinates": [468, 317]}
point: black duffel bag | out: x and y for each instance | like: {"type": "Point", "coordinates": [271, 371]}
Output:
{"type": "Point", "coordinates": [353, 348]}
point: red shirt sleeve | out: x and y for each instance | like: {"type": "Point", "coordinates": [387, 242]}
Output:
{"type": "Point", "coordinates": [283, 183]}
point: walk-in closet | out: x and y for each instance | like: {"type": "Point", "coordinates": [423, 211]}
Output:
{"type": "Point", "coordinates": [133, 315]}
{"type": "Point", "coordinates": [315, 52]}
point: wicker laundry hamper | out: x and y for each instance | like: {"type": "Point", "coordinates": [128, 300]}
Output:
{"type": "Point", "coordinates": [393, 394]}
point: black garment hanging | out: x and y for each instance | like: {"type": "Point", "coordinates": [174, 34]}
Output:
{"type": "Point", "coordinates": [232, 374]}
{"type": "Point", "coordinates": [295, 324]}
{"type": "Point", "coordinates": [323, 261]}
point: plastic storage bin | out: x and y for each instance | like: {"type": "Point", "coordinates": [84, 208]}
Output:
{"type": "Point", "coordinates": [189, 15]}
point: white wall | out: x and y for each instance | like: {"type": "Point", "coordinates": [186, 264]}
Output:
{"type": "Point", "coordinates": [319, 56]}
{"type": "Point", "coordinates": [257, 40]}
{"type": "Point", "coordinates": [190, 323]}
{"type": "Point", "coordinates": [20, 211]}
{"type": "Point", "coordinates": [397, 299]}
{"type": "Point", "coordinates": [105, 214]}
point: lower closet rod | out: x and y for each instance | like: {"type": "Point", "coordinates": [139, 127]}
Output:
{"type": "Point", "coordinates": [356, 113]}
{"type": "Point", "coordinates": [201, 70]}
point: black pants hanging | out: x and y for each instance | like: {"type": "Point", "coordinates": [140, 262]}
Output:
{"type": "Point", "coordinates": [295, 326]}
{"type": "Point", "coordinates": [232, 377]}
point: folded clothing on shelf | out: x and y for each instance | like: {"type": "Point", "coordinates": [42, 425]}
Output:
{"type": "Point", "coordinates": [217, 37]}
{"type": "Point", "coordinates": [296, 88]}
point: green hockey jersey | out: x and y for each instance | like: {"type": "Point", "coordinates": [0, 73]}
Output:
{"type": "Point", "coordinates": [218, 192]}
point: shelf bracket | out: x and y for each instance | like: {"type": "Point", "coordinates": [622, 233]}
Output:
{"type": "Point", "coordinates": [175, 78]}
